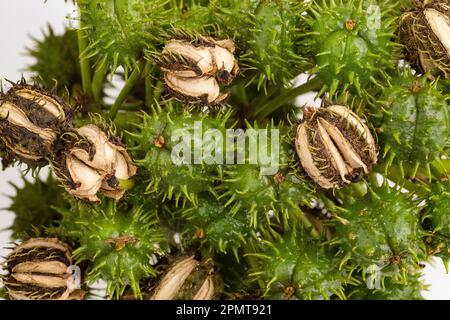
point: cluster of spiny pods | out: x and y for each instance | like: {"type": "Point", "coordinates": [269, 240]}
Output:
{"type": "Point", "coordinates": [334, 146]}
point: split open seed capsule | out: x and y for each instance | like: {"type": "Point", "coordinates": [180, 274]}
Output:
{"type": "Point", "coordinates": [187, 279]}
{"type": "Point", "coordinates": [41, 269]}
{"type": "Point", "coordinates": [30, 121]}
{"type": "Point", "coordinates": [425, 32]}
{"type": "Point", "coordinates": [200, 57]}
{"type": "Point", "coordinates": [93, 161]}
{"type": "Point", "coordinates": [334, 145]}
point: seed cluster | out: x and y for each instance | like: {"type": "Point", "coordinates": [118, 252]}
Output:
{"type": "Point", "coordinates": [194, 69]}
{"type": "Point", "coordinates": [36, 128]}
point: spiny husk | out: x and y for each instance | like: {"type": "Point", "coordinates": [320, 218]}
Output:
{"type": "Point", "coordinates": [119, 240]}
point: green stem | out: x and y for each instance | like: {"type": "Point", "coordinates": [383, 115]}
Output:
{"type": "Point", "coordinates": [149, 89]}
{"type": "Point", "coordinates": [241, 95]}
{"type": "Point", "coordinates": [441, 168]}
{"type": "Point", "coordinates": [394, 174]}
{"type": "Point", "coordinates": [97, 82]}
{"type": "Point", "coordinates": [287, 96]}
{"type": "Point", "coordinates": [248, 250]}
{"type": "Point", "coordinates": [126, 184]}
{"type": "Point", "coordinates": [305, 222]}
{"type": "Point", "coordinates": [159, 88]}
{"type": "Point", "coordinates": [130, 106]}
{"type": "Point", "coordinates": [129, 84]}
{"type": "Point", "coordinates": [84, 62]}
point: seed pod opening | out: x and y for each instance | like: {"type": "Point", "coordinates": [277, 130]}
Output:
{"type": "Point", "coordinates": [187, 279]}
{"type": "Point", "coordinates": [334, 145]}
{"type": "Point", "coordinates": [40, 269]}
{"type": "Point", "coordinates": [202, 56]}
{"type": "Point", "coordinates": [425, 32]}
{"type": "Point", "coordinates": [195, 67]}
{"type": "Point", "coordinates": [30, 121]}
{"type": "Point", "coordinates": [91, 161]}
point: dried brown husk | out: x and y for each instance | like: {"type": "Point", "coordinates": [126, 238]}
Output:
{"type": "Point", "coordinates": [203, 90]}
{"type": "Point", "coordinates": [334, 145]}
{"type": "Point", "coordinates": [200, 57]}
{"type": "Point", "coordinates": [183, 277]}
{"type": "Point", "coordinates": [91, 160]}
{"type": "Point", "coordinates": [30, 121]}
{"type": "Point", "coordinates": [38, 269]}
{"type": "Point", "coordinates": [425, 33]}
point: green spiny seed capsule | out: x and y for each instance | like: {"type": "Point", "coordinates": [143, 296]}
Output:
{"type": "Point", "coordinates": [334, 145]}
{"type": "Point", "coordinates": [175, 155]}
{"type": "Point", "coordinates": [93, 160]}
{"type": "Point", "coordinates": [294, 267]}
{"type": "Point", "coordinates": [212, 225]}
{"type": "Point", "coordinates": [113, 43]}
{"type": "Point", "coordinates": [352, 42]}
{"type": "Point", "coordinates": [425, 32]}
{"type": "Point", "coordinates": [187, 279]}
{"type": "Point", "coordinates": [380, 230]}
{"type": "Point", "coordinates": [271, 40]}
{"type": "Point", "coordinates": [40, 269]}
{"type": "Point", "coordinates": [415, 121]}
{"type": "Point", "coordinates": [33, 206]}
{"type": "Point", "coordinates": [437, 220]}
{"type": "Point", "coordinates": [30, 121]}
{"type": "Point", "coordinates": [119, 240]}
{"type": "Point", "coordinates": [56, 57]}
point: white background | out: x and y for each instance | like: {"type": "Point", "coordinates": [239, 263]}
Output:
{"type": "Point", "coordinates": [20, 19]}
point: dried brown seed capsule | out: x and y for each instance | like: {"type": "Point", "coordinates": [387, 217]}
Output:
{"type": "Point", "coordinates": [425, 32]}
{"type": "Point", "coordinates": [42, 269]}
{"type": "Point", "coordinates": [91, 161]}
{"type": "Point", "coordinates": [334, 145]}
{"type": "Point", "coordinates": [187, 279]}
{"type": "Point", "coordinates": [53, 111]}
{"type": "Point", "coordinates": [30, 121]}
{"type": "Point", "coordinates": [200, 57]}
{"type": "Point", "coordinates": [203, 90]}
